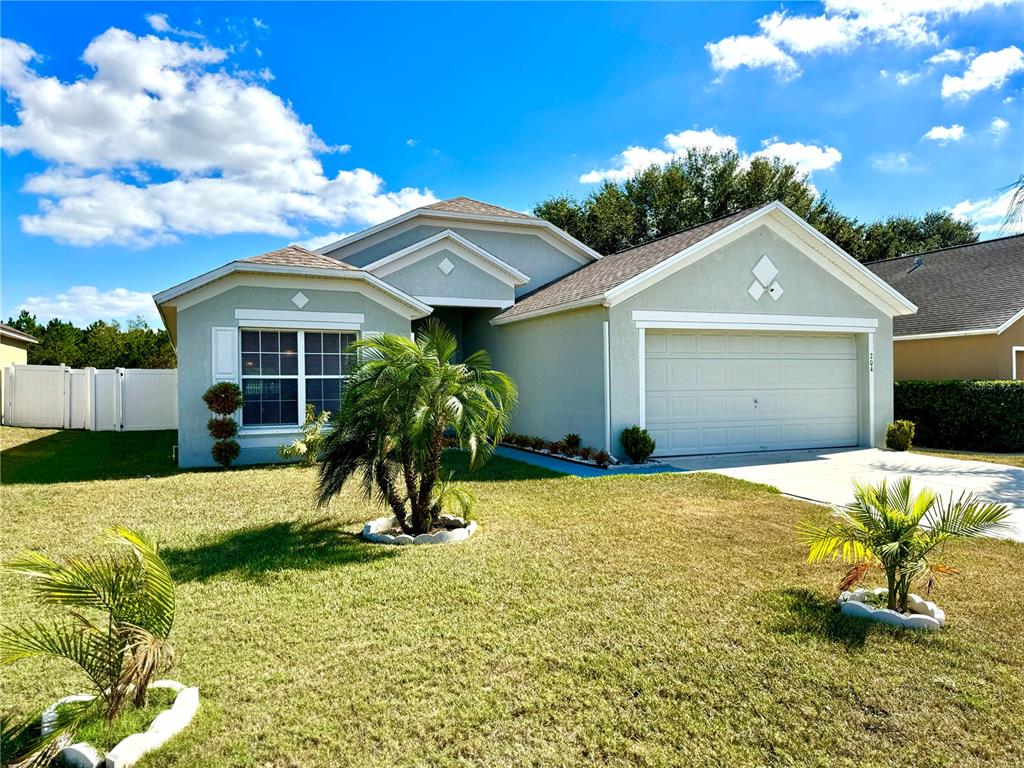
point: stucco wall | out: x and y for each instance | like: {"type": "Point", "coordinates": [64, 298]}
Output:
{"type": "Point", "coordinates": [528, 253]}
{"type": "Point", "coordinates": [12, 352]}
{"type": "Point", "coordinates": [425, 278]}
{"type": "Point", "coordinates": [195, 359]}
{"type": "Point", "coordinates": [557, 363]}
{"type": "Point", "coordinates": [987, 356]}
{"type": "Point", "coordinates": [718, 283]}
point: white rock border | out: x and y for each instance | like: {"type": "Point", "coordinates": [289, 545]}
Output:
{"type": "Point", "coordinates": [924, 614]}
{"type": "Point", "coordinates": [130, 749]}
{"type": "Point", "coordinates": [459, 531]}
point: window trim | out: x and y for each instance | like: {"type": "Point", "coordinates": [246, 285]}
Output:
{"type": "Point", "coordinates": [300, 376]}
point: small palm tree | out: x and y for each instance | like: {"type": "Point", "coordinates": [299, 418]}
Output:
{"type": "Point", "coordinates": [120, 652]}
{"type": "Point", "coordinates": [396, 409]}
{"type": "Point", "coordinates": [886, 527]}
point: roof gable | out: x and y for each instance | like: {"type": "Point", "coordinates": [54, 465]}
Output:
{"type": "Point", "coordinates": [454, 242]}
{"type": "Point", "coordinates": [469, 205]}
{"type": "Point", "coordinates": [296, 256]}
{"type": "Point", "coordinates": [622, 275]}
{"type": "Point", "coordinates": [972, 288]}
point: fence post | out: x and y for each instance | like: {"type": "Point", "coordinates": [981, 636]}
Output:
{"type": "Point", "coordinates": [120, 399]}
{"type": "Point", "coordinates": [67, 395]}
{"type": "Point", "coordinates": [90, 399]}
{"type": "Point", "coordinates": [8, 386]}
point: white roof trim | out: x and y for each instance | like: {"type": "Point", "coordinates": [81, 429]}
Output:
{"type": "Point", "coordinates": [1005, 326]}
{"type": "Point", "coordinates": [14, 333]}
{"type": "Point", "coordinates": [591, 301]}
{"type": "Point", "coordinates": [461, 301]}
{"type": "Point", "coordinates": [460, 246]}
{"type": "Point", "coordinates": [836, 261]}
{"type": "Point", "coordinates": [587, 254]}
{"type": "Point", "coordinates": [278, 269]}
{"type": "Point", "coordinates": [946, 334]}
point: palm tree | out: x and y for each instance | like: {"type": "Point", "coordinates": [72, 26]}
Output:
{"type": "Point", "coordinates": [890, 529]}
{"type": "Point", "coordinates": [120, 652]}
{"type": "Point", "coordinates": [396, 409]}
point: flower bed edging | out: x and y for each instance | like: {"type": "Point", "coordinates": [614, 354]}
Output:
{"type": "Point", "coordinates": [461, 531]}
{"type": "Point", "coordinates": [130, 749]}
{"type": "Point", "coordinates": [559, 456]}
{"type": "Point", "coordinates": [924, 614]}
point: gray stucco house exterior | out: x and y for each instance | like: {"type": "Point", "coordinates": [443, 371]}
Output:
{"type": "Point", "coordinates": [748, 333]}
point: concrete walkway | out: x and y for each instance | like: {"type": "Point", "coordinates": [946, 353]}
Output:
{"type": "Point", "coordinates": [825, 476]}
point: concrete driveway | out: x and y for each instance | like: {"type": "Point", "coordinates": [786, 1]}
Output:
{"type": "Point", "coordinates": [825, 476]}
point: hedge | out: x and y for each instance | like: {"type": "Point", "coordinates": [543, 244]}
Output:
{"type": "Point", "coordinates": [964, 415]}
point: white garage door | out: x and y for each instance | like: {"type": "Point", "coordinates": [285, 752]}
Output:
{"type": "Point", "coordinates": [717, 392]}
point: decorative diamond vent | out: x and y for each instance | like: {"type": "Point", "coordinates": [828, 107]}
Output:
{"type": "Point", "coordinates": [300, 300]}
{"type": "Point", "coordinates": [764, 280]}
{"type": "Point", "coordinates": [446, 266]}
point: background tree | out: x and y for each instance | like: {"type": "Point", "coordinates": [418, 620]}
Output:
{"type": "Point", "coordinates": [705, 185]}
{"type": "Point", "coordinates": [100, 345]}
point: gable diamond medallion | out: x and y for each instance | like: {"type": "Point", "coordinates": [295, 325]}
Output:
{"type": "Point", "coordinates": [300, 300]}
{"type": "Point", "coordinates": [446, 266]}
{"type": "Point", "coordinates": [764, 280]}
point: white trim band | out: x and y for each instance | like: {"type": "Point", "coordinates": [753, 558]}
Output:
{"type": "Point", "coordinates": [724, 321]}
{"type": "Point", "coordinates": [458, 301]}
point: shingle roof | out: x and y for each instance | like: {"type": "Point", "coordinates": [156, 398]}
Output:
{"type": "Point", "coordinates": [14, 333]}
{"type": "Point", "coordinates": [971, 287]}
{"type": "Point", "coordinates": [469, 205]}
{"type": "Point", "coordinates": [596, 278]}
{"type": "Point", "coordinates": [297, 256]}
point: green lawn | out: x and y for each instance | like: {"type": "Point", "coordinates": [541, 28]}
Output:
{"type": "Point", "coordinates": [1010, 459]}
{"type": "Point", "coordinates": [656, 620]}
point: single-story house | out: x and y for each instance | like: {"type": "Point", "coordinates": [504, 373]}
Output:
{"type": "Point", "coordinates": [970, 324]}
{"type": "Point", "coordinates": [752, 332]}
{"type": "Point", "coordinates": [13, 351]}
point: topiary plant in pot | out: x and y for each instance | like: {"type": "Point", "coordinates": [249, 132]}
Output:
{"type": "Point", "coordinates": [224, 398]}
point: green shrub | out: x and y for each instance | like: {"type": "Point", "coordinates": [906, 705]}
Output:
{"type": "Point", "coordinates": [964, 415]}
{"type": "Point", "coordinates": [603, 459]}
{"type": "Point", "coordinates": [537, 443]}
{"type": "Point", "coordinates": [225, 451]}
{"type": "Point", "coordinates": [572, 441]}
{"type": "Point", "coordinates": [586, 452]}
{"type": "Point", "coordinates": [222, 428]}
{"type": "Point", "coordinates": [556, 447]}
{"type": "Point", "coordinates": [899, 435]}
{"type": "Point", "coordinates": [637, 443]}
{"type": "Point", "coordinates": [307, 448]}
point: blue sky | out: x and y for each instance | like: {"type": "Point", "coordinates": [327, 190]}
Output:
{"type": "Point", "coordinates": [146, 143]}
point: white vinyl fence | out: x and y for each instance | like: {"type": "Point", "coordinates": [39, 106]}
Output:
{"type": "Point", "coordinates": [85, 398]}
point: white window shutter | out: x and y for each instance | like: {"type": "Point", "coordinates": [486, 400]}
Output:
{"type": "Point", "coordinates": [225, 354]}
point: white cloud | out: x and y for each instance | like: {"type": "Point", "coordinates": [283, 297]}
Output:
{"type": "Point", "coordinates": [944, 135]}
{"type": "Point", "coordinates": [160, 22]}
{"type": "Point", "coordinates": [902, 78]}
{"type": "Point", "coordinates": [260, 24]}
{"type": "Point", "coordinates": [998, 127]}
{"type": "Point", "coordinates": [897, 162]}
{"type": "Point", "coordinates": [806, 157]}
{"type": "Point", "coordinates": [843, 26]}
{"type": "Point", "coordinates": [230, 155]}
{"type": "Point", "coordinates": [633, 159]}
{"type": "Point", "coordinates": [83, 304]}
{"type": "Point", "coordinates": [411, 142]}
{"type": "Point", "coordinates": [948, 56]}
{"type": "Point", "coordinates": [321, 240]}
{"type": "Point", "coordinates": [989, 70]}
{"type": "Point", "coordinates": [752, 51]}
{"type": "Point", "coordinates": [989, 214]}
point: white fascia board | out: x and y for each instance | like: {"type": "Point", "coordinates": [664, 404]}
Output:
{"type": "Point", "coordinates": [592, 301]}
{"type": "Point", "coordinates": [457, 244]}
{"type": "Point", "coordinates": [1005, 326]}
{"type": "Point", "coordinates": [583, 253]}
{"type": "Point", "coordinates": [877, 291]}
{"type": "Point", "coordinates": [235, 267]}
{"type": "Point", "coordinates": [946, 334]}
{"type": "Point", "coordinates": [455, 301]}
{"type": "Point", "coordinates": [726, 321]}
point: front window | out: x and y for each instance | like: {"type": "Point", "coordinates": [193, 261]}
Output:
{"type": "Point", "coordinates": [282, 371]}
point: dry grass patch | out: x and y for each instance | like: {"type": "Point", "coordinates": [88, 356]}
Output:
{"type": "Point", "coordinates": [654, 620]}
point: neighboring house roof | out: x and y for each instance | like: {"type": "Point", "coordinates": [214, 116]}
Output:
{"type": "Point", "coordinates": [621, 275]}
{"type": "Point", "coordinates": [469, 205]}
{"type": "Point", "coordinates": [296, 256]}
{"type": "Point", "coordinates": [593, 280]}
{"type": "Point", "coordinates": [13, 333]}
{"type": "Point", "coordinates": [966, 289]}
{"type": "Point", "coordinates": [466, 211]}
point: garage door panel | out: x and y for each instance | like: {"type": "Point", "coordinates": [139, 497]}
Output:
{"type": "Point", "coordinates": [710, 392]}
